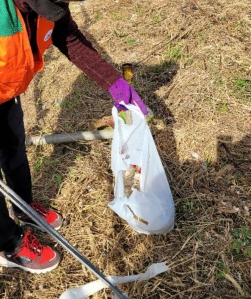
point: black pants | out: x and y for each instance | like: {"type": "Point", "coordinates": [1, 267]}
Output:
{"type": "Point", "coordinates": [14, 165]}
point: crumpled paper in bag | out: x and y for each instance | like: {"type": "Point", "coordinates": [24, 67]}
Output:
{"type": "Point", "coordinates": [91, 288]}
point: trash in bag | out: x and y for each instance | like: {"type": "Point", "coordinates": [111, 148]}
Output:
{"type": "Point", "coordinates": [142, 195]}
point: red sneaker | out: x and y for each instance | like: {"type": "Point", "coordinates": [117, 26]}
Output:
{"type": "Point", "coordinates": [30, 255]}
{"type": "Point", "coordinates": [51, 216]}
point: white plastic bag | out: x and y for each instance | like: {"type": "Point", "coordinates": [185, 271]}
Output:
{"type": "Point", "coordinates": [91, 288]}
{"type": "Point", "coordinates": [149, 208]}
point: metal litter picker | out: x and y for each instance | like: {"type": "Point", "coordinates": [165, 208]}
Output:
{"type": "Point", "coordinates": [23, 206]}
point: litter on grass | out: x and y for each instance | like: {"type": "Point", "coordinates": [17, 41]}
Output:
{"type": "Point", "coordinates": [93, 287]}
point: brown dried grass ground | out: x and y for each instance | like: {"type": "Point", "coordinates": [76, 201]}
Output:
{"type": "Point", "coordinates": [192, 67]}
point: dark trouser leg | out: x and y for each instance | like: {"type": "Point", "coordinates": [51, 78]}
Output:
{"type": "Point", "coordinates": [9, 231]}
{"type": "Point", "coordinates": [14, 164]}
{"type": "Point", "coordinates": [19, 180]}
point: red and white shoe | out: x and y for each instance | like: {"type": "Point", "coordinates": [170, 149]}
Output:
{"type": "Point", "coordinates": [30, 255]}
{"type": "Point", "coordinates": [51, 217]}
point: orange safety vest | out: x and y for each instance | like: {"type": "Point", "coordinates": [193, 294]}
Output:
{"type": "Point", "coordinates": [18, 64]}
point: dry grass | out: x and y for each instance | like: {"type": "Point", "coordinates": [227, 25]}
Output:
{"type": "Point", "coordinates": [192, 66]}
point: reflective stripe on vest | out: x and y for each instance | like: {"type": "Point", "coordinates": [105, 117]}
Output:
{"type": "Point", "coordinates": [18, 65]}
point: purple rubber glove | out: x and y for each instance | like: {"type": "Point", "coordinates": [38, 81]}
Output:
{"type": "Point", "coordinates": [122, 91]}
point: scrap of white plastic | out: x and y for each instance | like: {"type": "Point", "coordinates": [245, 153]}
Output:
{"type": "Point", "coordinates": [91, 288]}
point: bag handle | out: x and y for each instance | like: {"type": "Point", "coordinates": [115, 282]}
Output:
{"type": "Point", "coordinates": [134, 108]}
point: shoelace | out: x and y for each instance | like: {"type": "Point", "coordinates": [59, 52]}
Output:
{"type": "Point", "coordinates": [32, 243]}
{"type": "Point", "coordinates": [40, 209]}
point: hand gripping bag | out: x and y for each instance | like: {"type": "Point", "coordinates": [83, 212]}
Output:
{"type": "Point", "coordinates": [148, 208]}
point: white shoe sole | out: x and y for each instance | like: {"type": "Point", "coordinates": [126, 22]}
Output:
{"type": "Point", "coordinates": [36, 225]}
{"type": "Point", "coordinates": [20, 222]}
{"type": "Point", "coordinates": [6, 263]}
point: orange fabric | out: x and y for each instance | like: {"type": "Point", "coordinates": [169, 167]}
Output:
{"type": "Point", "coordinates": [18, 65]}
{"type": "Point", "coordinates": [44, 40]}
